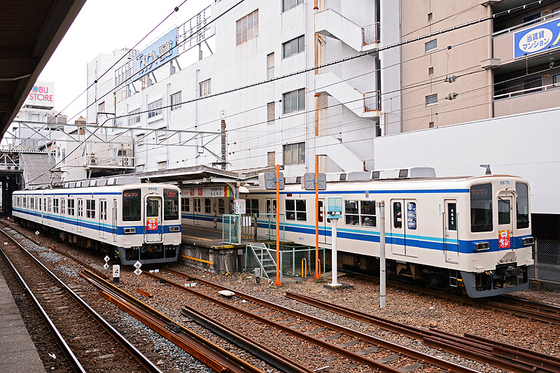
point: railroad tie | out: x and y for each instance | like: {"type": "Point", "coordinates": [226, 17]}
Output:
{"type": "Point", "coordinates": [349, 344]}
{"type": "Point", "coordinates": [388, 359]}
{"type": "Point", "coordinates": [370, 350]}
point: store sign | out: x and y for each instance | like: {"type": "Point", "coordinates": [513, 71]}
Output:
{"type": "Point", "coordinates": [42, 94]}
{"type": "Point", "coordinates": [157, 54]}
{"type": "Point", "coordinates": [221, 191]}
{"type": "Point", "coordinates": [536, 39]}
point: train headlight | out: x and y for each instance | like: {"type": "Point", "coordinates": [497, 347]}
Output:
{"type": "Point", "coordinates": [130, 231]}
{"type": "Point", "coordinates": [174, 229]}
{"type": "Point", "coordinates": [482, 246]}
{"type": "Point", "coordinates": [528, 241]}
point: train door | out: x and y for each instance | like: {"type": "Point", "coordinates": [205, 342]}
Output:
{"type": "Point", "coordinates": [153, 219]}
{"type": "Point", "coordinates": [404, 224]}
{"type": "Point", "coordinates": [450, 234]}
{"type": "Point", "coordinates": [505, 221]}
{"type": "Point", "coordinates": [114, 220]}
{"type": "Point", "coordinates": [197, 210]}
{"type": "Point", "coordinates": [62, 212]}
{"type": "Point", "coordinates": [102, 217]}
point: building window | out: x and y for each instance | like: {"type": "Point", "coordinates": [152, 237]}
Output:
{"type": "Point", "coordinates": [289, 4]}
{"type": "Point", "coordinates": [430, 17]}
{"type": "Point", "coordinates": [431, 99]}
{"type": "Point", "coordinates": [431, 70]}
{"type": "Point", "coordinates": [247, 27]}
{"type": "Point", "coordinates": [294, 153]}
{"type": "Point", "coordinates": [431, 45]}
{"type": "Point", "coordinates": [175, 99]}
{"type": "Point", "coordinates": [154, 108]}
{"type": "Point", "coordinates": [294, 101]}
{"type": "Point", "coordinates": [162, 165]}
{"type": "Point", "coordinates": [101, 107]}
{"type": "Point", "coordinates": [431, 125]}
{"type": "Point", "coordinates": [134, 117]}
{"type": "Point", "coordinates": [270, 111]}
{"type": "Point", "coordinates": [293, 46]}
{"type": "Point", "coordinates": [205, 88]}
{"type": "Point", "coordinates": [271, 158]}
{"type": "Point", "coordinates": [270, 66]}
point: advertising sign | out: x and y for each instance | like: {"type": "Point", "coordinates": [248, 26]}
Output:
{"type": "Point", "coordinates": [504, 239]}
{"type": "Point", "coordinates": [157, 54]}
{"type": "Point", "coordinates": [541, 37]}
{"type": "Point", "coordinates": [152, 224]}
{"type": "Point", "coordinates": [220, 191]}
{"type": "Point", "coordinates": [42, 94]}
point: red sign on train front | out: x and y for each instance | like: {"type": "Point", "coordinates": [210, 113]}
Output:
{"type": "Point", "coordinates": [152, 224]}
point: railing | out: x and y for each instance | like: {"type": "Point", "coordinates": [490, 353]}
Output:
{"type": "Point", "coordinates": [371, 33]}
{"type": "Point", "coordinates": [527, 91]}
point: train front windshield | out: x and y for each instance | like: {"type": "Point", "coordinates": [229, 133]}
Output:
{"type": "Point", "coordinates": [132, 205]}
{"type": "Point", "coordinates": [171, 204]}
{"type": "Point", "coordinates": [481, 208]}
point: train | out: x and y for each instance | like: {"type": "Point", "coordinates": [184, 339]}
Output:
{"type": "Point", "coordinates": [120, 216]}
{"type": "Point", "coordinates": [469, 235]}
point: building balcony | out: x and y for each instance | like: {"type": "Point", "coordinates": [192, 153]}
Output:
{"type": "Point", "coordinates": [333, 24]}
{"type": "Point", "coordinates": [526, 100]}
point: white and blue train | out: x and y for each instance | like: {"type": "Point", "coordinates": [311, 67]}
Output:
{"type": "Point", "coordinates": [119, 216]}
{"type": "Point", "coordinates": [466, 234]}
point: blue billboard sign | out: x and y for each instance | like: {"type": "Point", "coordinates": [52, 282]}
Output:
{"type": "Point", "coordinates": [536, 39]}
{"type": "Point", "coordinates": [160, 52]}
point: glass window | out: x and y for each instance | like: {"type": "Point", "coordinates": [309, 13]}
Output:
{"type": "Point", "coordinates": [431, 45]}
{"type": "Point", "coordinates": [90, 208]}
{"type": "Point", "coordinates": [431, 99]}
{"type": "Point", "coordinates": [154, 108]}
{"type": "Point", "coordinates": [481, 208]}
{"type": "Point", "coordinates": [152, 208]}
{"type": "Point", "coordinates": [301, 210]}
{"type": "Point", "coordinates": [271, 112]}
{"type": "Point", "coordinates": [131, 205]}
{"type": "Point", "coordinates": [205, 88]}
{"type": "Point", "coordinates": [294, 101]}
{"type": "Point", "coordinates": [134, 117]}
{"type": "Point", "coordinates": [503, 211]}
{"type": "Point", "coordinates": [452, 216]}
{"type": "Point", "coordinates": [294, 153]}
{"type": "Point", "coordinates": [185, 205]}
{"type": "Point", "coordinates": [222, 206]}
{"type": "Point", "coordinates": [71, 207]}
{"type": "Point", "coordinates": [289, 4]}
{"type": "Point", "coordinates": [170, 204]}
{"type": "Point", "coordinates": [293, 46]}
{"type": "Point", "coordinates": [411, 219]}
{"type": "Point", "coordinates": [397, 215]}
{"type": "Point", "coordinates": [247, 27]}
{"type": "Point", "coordinates": [253, 206]}
{"type": "Point", "coordinates": [175, 101]}
{"type": "Point", "coordinates": [270, 66]}
{"type": "Point", "coordinates": [80, 207]}
{"type": "Point", "coordinates": [290, 209]}
{"type": "Point", "coordinates": [62, 206]}
{"type": "Point", "coordinates": [522, 205]}
{"type": "Point", "coordinates": [55, 205]}
{"type": "Point", "coordinates": [207, 205]}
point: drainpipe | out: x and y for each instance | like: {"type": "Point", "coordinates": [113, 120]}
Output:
{"type": "Point", "coordinates": [490, 55]}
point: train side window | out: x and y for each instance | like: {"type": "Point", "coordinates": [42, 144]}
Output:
{"type": "Point", "coordinates": [301, 209]}
{"type": "Point", "coordinates": [321, 211]}
{"type": "Point", "coordinates": [271, 206]}
{"type": "Point", "coordinates": [207, 205]}
{"type": "Point", "coordinates": [186, 205]}
{"type": "Point", "coordinates": [102, 210]}
{"type": "Point", "coordinates": [55, 205]}
{"type": "Point", "coordinates": [411, 217]}
{"type": "Point", "coordinates": [40, 204]}
{"type": "Point", "coordinates": [32, 203]}
{"type": "Point", "coordinates": [49, 205]}
{"type": "Point", "coordinates": [221, 206]}
{"type": "Point", "coordinates": [522, 205]}
{"type": "Point", "coordinates": [131, 205]}
{"type": "Point", "coordinates": [452, 216]}
{"type": "Point", "coordinates": [90, 208]}
{"type": "Point", "coordinates": [503, 211]}
{"type": "Point", "coordinates": [351, 213]}
{"type": "Point", "coordinates": [62, 206]}
{"type": "Point", "coordinates": [367, 214]}
{"type": "Point", "coordinates": [290, 209]}
{"type": "Point", "coordinates": [71, 207]}
{"type": "Point", "coordinates": [481, 208]}
{"type": "Point", "coordinates": [170, 204]}
{"type": "Point", "coordinates": [397, 215]}
{"type": "Point", "coordinates": [253, 207]}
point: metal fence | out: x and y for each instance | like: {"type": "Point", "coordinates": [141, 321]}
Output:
{"type": "Point", "coordinates": [294, 260]}
{"type": "Point", "coordinates": [547, 261]}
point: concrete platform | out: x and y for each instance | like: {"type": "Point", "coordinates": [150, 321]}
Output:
{"type": "Point", "coordinates": [17, 351]}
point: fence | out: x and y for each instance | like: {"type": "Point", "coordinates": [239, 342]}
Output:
{"type": "Point", "coordinates": [294, 260]}
{"type": "Point", "coordinates": [547, 261]}
{"type": "Point", "coordinates": [236, 228]}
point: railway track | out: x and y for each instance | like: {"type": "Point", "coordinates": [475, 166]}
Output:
{"type": "Point", "coordinates": [322, 344]}
{"type": "Point", "coordinates": [89, 342]}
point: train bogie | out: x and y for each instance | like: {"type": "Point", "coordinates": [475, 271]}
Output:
{"type": "Point", "coordinates": [135, 222]}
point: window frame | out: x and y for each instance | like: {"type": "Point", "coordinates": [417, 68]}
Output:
{"type": "Point", "coordinates": [298, 148]}
{"type": "Point", "coordinates": [296, 96]}
{"type": "Point", "coordinates": [177, 96]}
{"type": "Point", "coordinates": [155, 109]}
{"type": "Point", "coordinates": [298, 43]}
{"type": "Point", "coordinates": [360, 213]}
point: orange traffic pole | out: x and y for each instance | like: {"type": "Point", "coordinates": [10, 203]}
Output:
{"type": "Point", "coordinates": [278, 282]}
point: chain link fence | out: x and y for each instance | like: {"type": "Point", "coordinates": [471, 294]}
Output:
{"type": "Point", "coordinates": [547, 261]}
{"type": "Point", "coordinates": [296, 261]}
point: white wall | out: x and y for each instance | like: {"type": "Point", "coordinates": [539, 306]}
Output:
{"type": "Point", "coordinates": [527, 145]}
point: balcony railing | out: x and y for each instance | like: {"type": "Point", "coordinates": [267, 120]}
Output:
{"type": "Point", "coordinates": [527, 91]}
{"type": "Point", "coordinates": [372, 101]}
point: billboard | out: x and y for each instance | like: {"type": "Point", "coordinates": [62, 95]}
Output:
{"type": "Point", "coordinates": [42, 94]}
{"type": "Point", "coordinates": [157, 54]}
{"type": "Point", "coordinates": [536, 39]}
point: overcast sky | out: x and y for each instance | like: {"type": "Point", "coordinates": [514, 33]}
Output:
{"type": "Point", "coordinates": [101, 27]}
